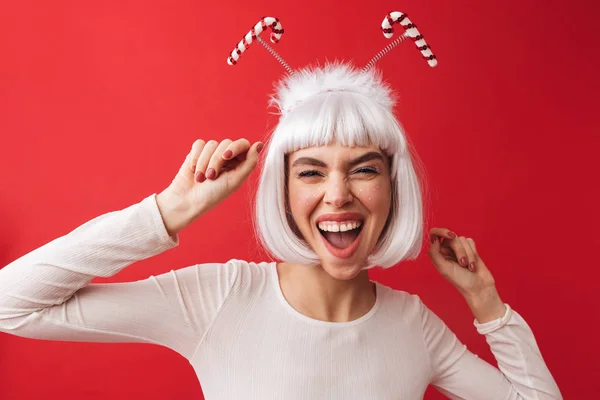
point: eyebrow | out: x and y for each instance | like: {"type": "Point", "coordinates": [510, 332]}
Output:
{"type": "Point", "coordinates": [372, 155]}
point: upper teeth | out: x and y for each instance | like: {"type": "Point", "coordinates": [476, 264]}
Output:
{"type": "Point", "coordinates": [332, 226]}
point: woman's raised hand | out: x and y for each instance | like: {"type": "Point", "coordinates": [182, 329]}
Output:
{"type": "Point", "coordinates": [210, 173]}
{"type": "Point", "coordinates": [457, 259]}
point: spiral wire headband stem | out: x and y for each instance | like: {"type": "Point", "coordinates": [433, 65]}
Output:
{"type": "Point", "coordinates": [276, 55]}
{"type": "Point", "coordinates": [383, 52]}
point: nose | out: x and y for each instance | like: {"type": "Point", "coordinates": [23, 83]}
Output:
{"type": "Point", "coordinates": [337, 192]}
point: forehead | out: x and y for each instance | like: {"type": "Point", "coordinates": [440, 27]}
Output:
{"type": "Point", "coordinates": [333, 152]}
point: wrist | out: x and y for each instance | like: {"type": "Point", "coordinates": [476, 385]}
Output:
{"type": "Point", "coordinates": [486, 306]}
{"type": "Point", "coordinates": [176, 212]}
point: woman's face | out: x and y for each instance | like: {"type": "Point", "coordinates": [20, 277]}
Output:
{"type": "Point", "coordinates": [340, 199]}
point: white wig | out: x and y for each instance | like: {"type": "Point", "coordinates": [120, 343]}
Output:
{"type": "Point", "coordinates": [320, 106]}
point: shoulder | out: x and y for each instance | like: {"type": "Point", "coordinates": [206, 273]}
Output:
{"type": "Point", "coordinates": [237, 267]}
{"type": "Point", "coordinates": [408, 305]}
{"type": "Point", "coordinates": [234, 274]}
{"type": "Point", "coordinates": [413, 312]}
{"type": "Point", "coordinates": [249, 275]}
{"type": "Point", "coordinates": [398, 297]}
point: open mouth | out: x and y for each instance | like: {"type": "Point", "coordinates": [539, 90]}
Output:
{"type": "Point", "coordinates": [340, 235]}
{"type": "Point", "coordinates": [341, 238]}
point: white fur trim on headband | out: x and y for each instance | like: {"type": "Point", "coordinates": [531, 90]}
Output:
{"type": "Point", "coordinates": [295, 89]}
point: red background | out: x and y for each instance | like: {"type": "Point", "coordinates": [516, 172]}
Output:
{"type": "Point", "coordinates": [100, 102]}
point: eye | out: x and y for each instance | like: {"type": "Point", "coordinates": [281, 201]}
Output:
{"type": "Point", "coordinates": [367, 171]}
{"type": "Point", "coordinates": [308, 174]}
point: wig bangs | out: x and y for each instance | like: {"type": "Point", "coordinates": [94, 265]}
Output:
{"type": "Point", "coordinates": [346, 118]}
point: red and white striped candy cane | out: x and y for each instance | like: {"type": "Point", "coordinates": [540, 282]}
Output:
{"type": "Point", "coordinates": [411, 31]}
{"type": "Point", "coordinates": [276, 32]}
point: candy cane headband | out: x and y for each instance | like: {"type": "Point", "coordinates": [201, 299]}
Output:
{"type": "Point", "coordinates": [396, 17]}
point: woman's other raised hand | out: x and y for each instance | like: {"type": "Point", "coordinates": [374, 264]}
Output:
{"type": "Point", "coordinates": [457, 259]}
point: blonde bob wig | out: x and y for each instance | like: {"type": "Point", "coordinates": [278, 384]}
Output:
{"type": "Point", "coordinates": [319, 106]}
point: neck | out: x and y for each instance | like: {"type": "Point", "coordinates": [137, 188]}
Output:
{"type": "Point", "coordinates": [310, 290]}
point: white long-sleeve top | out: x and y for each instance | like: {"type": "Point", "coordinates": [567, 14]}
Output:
{"type": "Point", "coordinates": [233, 324]}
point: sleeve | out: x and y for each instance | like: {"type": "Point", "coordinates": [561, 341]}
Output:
{"type": "Point", "coordinates": [460, 374]}
{"type": "Point", "coordinates": [47, 294]}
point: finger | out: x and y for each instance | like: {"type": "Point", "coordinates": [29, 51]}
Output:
{"type": "Point", "coordinates": [217, 160]}
{"type": "Point", "coordinates": [234, 161]}
{"type": "Point", "coordinates": [436, 253]}
{"type": "Point", "coordinates": [471, 257]}
{"type": "Point", "coordinates": [248, 165]}
{"type": "Point", "coordinates": [189, 164]}
{"type": "Point", "coordinates": [480, 265]}
{"type": "Point", "coordinates": [448, 254]}
{"type": "Point", "coordinates": [241, 157]}
{"type": "Point", "coordinates": [472, 243]}
{"type": "Point", "coordinates": [202, 163]}
{"type": "Point", "coordinates": [236, 149]}
{"type": "Point", "coordinates": [459, 251]}
{"type": "Point", "coordinates": [441, 233]}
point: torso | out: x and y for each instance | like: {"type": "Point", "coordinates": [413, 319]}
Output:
{"type": "Point", "coordinates": [259, 347]}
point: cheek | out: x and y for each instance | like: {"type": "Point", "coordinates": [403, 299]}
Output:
{"type": "Point", "coordinates": [375, 196]}
{"type": "Point", "coordinates": [303, 200]}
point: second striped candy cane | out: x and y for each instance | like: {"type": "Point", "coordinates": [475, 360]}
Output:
{"type": "Point", "coordinates": [411, 31]}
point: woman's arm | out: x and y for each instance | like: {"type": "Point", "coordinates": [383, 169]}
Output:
{"type": "Point", "coordinates": [46, 294]}
{"type": "Point", "coordinates": [456, 371]}
{"type": "Point", "coordinates": [460, 374]}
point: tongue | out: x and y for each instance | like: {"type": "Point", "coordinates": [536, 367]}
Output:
{"type": "Point", "coordinates": [341, 240]}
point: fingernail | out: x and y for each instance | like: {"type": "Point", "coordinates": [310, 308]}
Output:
{"type": "Point", "coordinates": [472, 266]}
{"type": "Point", "coordinates": [433, 239]}
{"type": "Point", "coordinates": [211, 173]}
{"type": "Point", "coordinates": [259, 147]}
{"type": "Point", "coordinates": [452, 235]}
{"type": "Point", "coordinates": [200, 177]}
{"type": "Point", "coordinates": [227, 155]}
{"type": "Point", "coordinates": [463, 261]}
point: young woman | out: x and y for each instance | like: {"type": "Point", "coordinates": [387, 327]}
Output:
{"type": "Point", "coordinates": [338, 194]}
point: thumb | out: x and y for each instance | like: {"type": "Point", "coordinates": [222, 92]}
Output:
{"type": "Point", "coordinates": [251, 160]}
{"type": "Point", "coordinates": [435, 253]}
